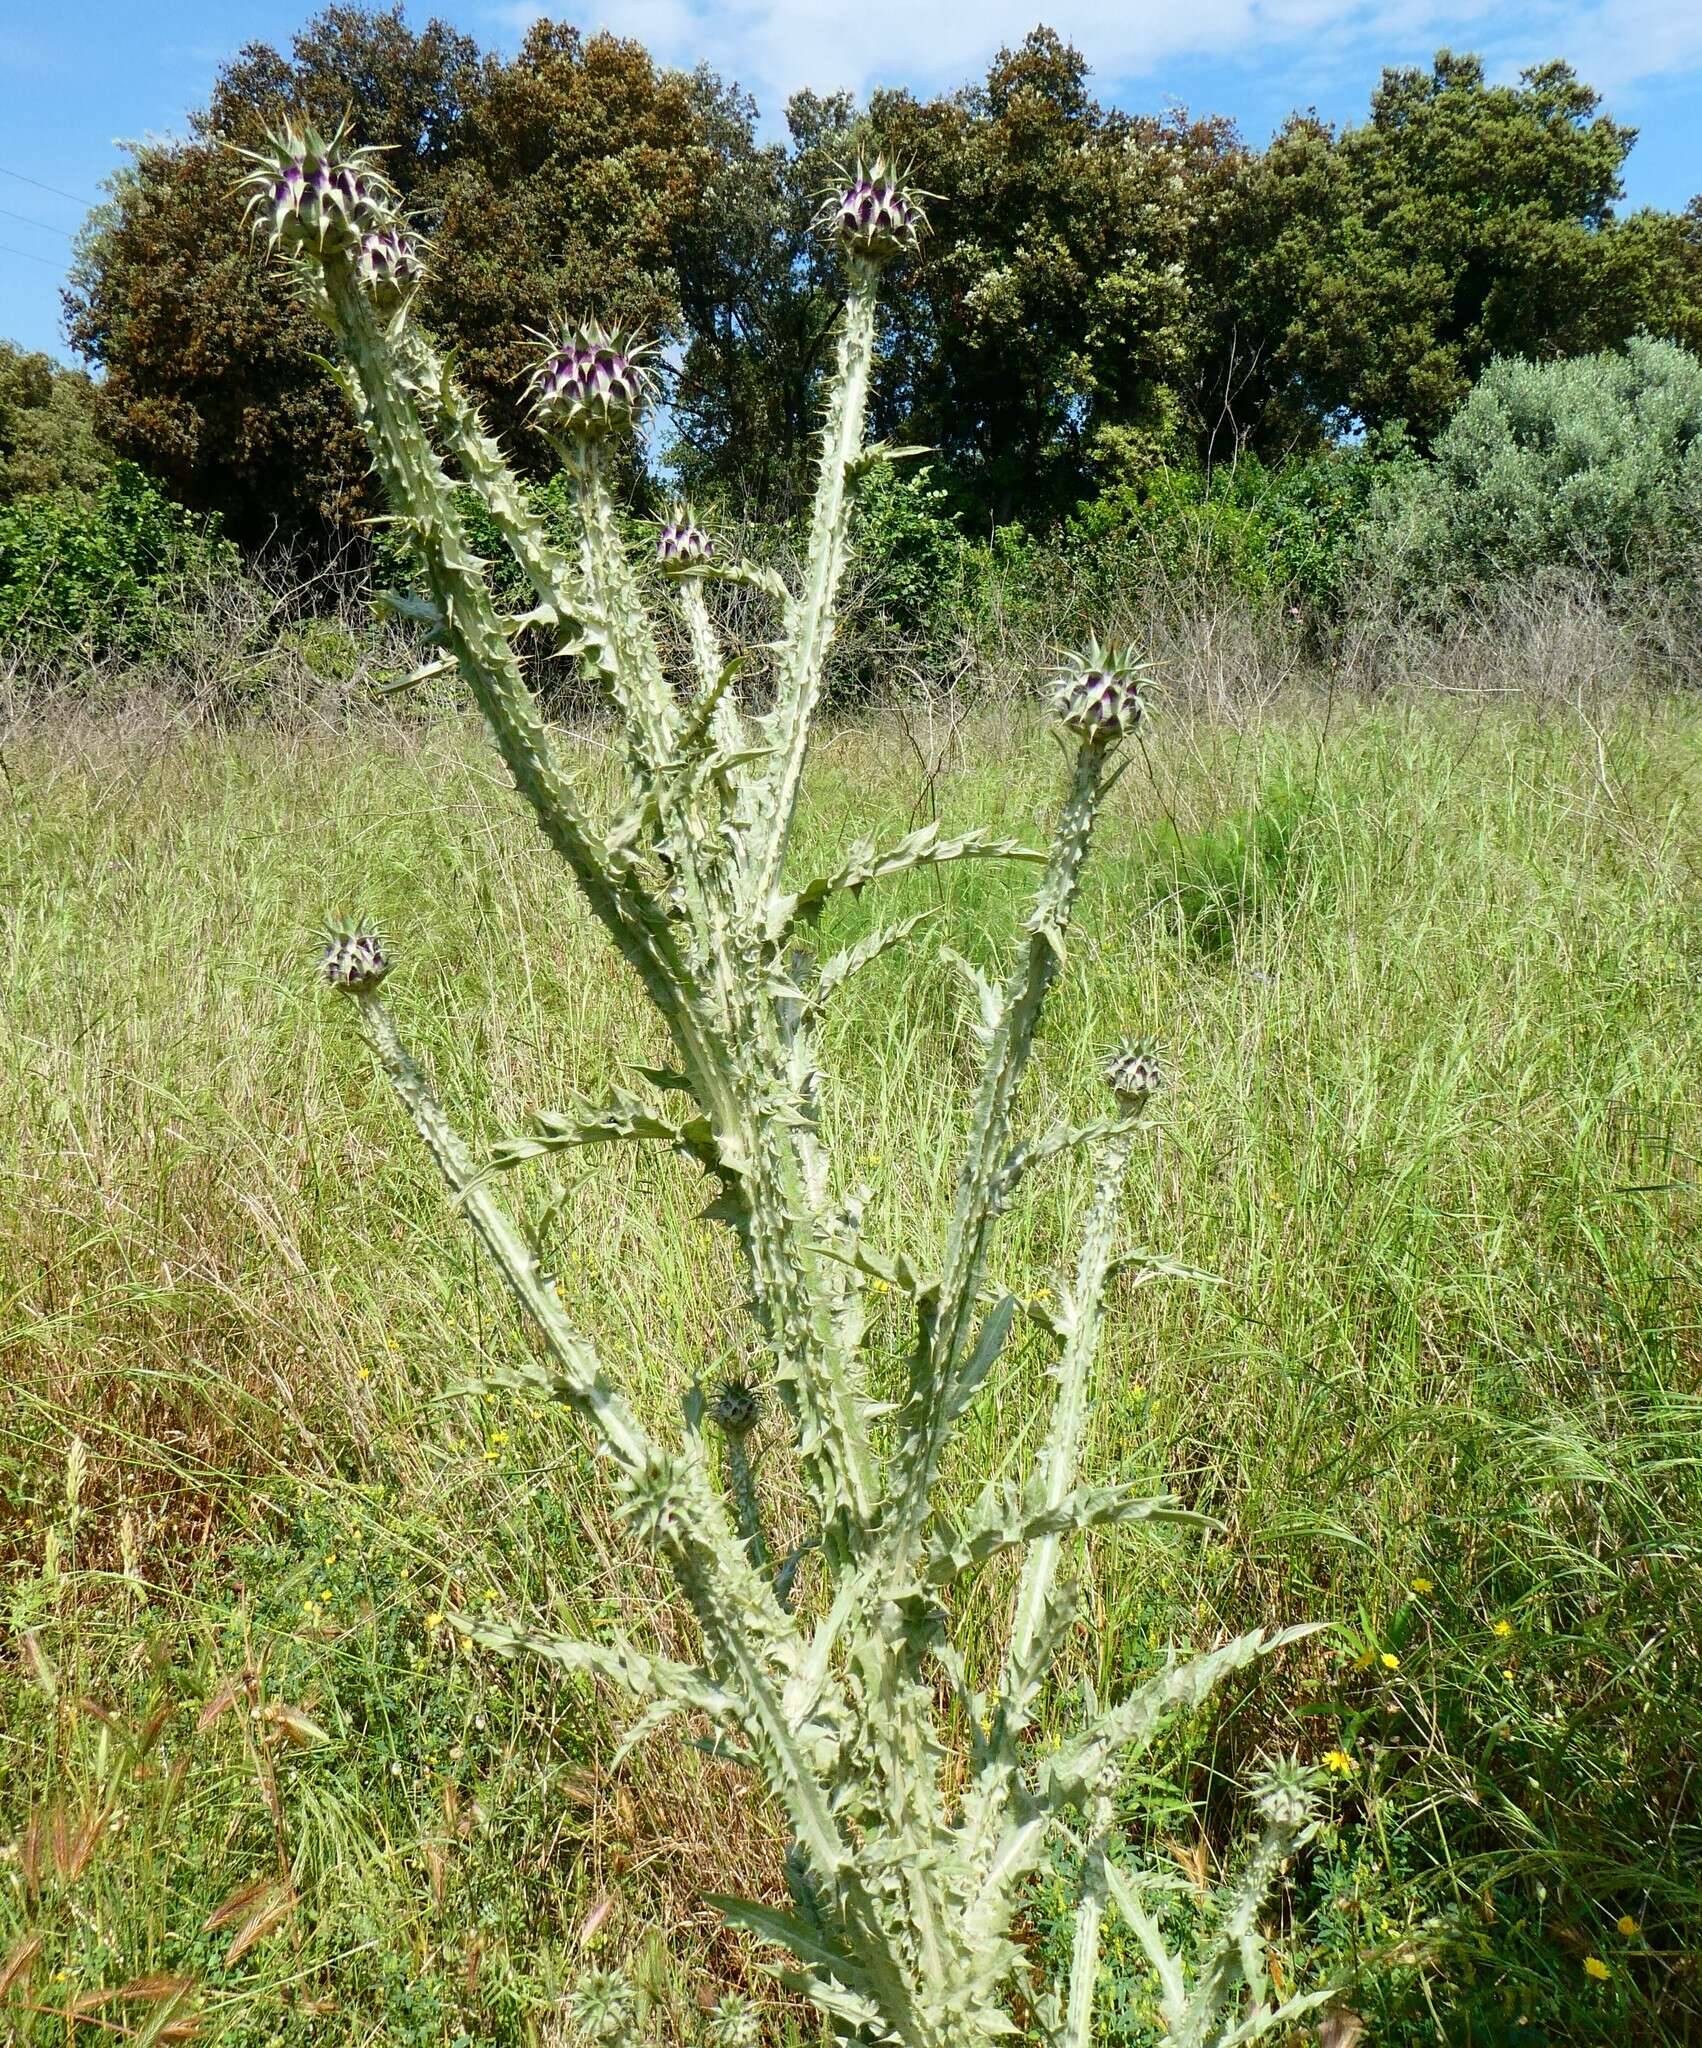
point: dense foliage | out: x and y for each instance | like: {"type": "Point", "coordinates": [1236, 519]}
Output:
{"type": "Point", "coordinates": [48, 439]}
{"type": "Point", "coordinates": [1105, 291]}
{"type": "Point", "coordinates": [1369, 276]}
{"type": "Point", "coordinates": [556, 180]}
{"type": "Point", "coordinates": [1593, 466]}
{"type": "Point", "coordinates": [108, 569]}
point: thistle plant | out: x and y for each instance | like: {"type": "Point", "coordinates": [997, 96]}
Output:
{"type": "Point", "coordinates": [920, 1798]}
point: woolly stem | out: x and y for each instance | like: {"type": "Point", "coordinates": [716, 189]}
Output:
{"type": "Point", "coordinates": [811, 621]}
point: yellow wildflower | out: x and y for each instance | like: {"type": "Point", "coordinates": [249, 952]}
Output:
{"type": "Point", "coordinates": [1340, 1762]}
{"type": "Point", "coordinates": [1503, 1628]}
{"type": "Point", "coordinates": [1423, 1585]}
{"type": "Point", "coordinates": [1595, 1968]}
{"type": "Point", "coordinates": [1627, 1926]}
{"type": "Point", "coordinates": [1390, 1661]}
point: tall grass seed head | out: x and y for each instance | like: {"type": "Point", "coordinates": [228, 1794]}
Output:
{"type": "Point", "coordinates": [591, 384]}
{"type": "Point", "coordinates": [682, 545]}
{"type": "Point", "coordinates": [1134, 1073]}
{"type": "Point", "coordinates": [1097, 693]}
{"type": "Point", "coordinates": [354, 962]}
{"type": "Point", "coordinates": [316, 195]}
{"type": "Point", "coordinates": [873, 216]}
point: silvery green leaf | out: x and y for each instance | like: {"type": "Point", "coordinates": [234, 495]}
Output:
{"type": "Point", "coordinates": [865, 863]}
{"type": "Point", "coordinates": [989, 1004]}
{"type": "Point", "coordinates": [840, 967]}
{"type": "Point", "coordinates": [1003, 1521]}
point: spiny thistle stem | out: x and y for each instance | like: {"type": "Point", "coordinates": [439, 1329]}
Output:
{"type": "Point", "coordinates": [812, 622]}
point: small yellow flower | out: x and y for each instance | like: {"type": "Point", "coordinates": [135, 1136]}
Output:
{"type": "Point", "coordinates": [1390, 1661]}
{"type": "Point", "coordinates": [878, 1287]}
{"type": "Point", "coordinates": [434, 1621]}
{"type": "Point", "coordinates": [1503, 1628]}
{"type": "Point", "coordinates": [1508, 1673]}
{"type": "Point", "coordinates": [1424, 1585]}
{"type": "Point", "coordinates": [1596, 1969]}
{"type": "Point", "coordinates": [1340, 1762]}
{"type": "Point", "coordinates": [330, 1557]}
{"type": "Point", "coordinates": [365, 1373]}
{"type": "Point", "coordinates": [1627, 1926]}
{"type": "Point", "coordinates": [1364, 1661]}
{"type": "Point", "coordinates": [492, 1594]}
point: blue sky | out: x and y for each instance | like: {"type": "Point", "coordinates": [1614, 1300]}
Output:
{"type": "Point", "coordinates": [79, 77]}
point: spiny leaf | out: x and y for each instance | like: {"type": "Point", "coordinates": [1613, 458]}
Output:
{"type": "Point", "coordinates": [840, 967]}
{"type": "Point", "coordinates": [1003, 1520]}
{"type": "Point", "coordinates": [865, 863]}
{"type": "Point", "coordinates": [623, 1119]}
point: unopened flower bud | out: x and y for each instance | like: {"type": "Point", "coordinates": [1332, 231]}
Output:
{"type": "Point", "coordinates": [1097, 693]}
{"type": "Point", "coordinates": [354, 962]}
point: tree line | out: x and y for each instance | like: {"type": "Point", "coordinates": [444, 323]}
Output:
{"type": "Point", "coordinates": [1102, 291]}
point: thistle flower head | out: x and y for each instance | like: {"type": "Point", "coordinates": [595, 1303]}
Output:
{"type": "Point", "coordinates": [354, 961]}
{"type": "Point", "coordinates": [682, 545]}
{"type": "Point", "coordinates": [1134, 1073]}
{"type": "Point", "coordinates": [1286, 1797]}
{"type": "Point", "coordinates": [592, 383]}
{"type": "Point", "coordinates": [734, 2023]}
{"type": "Point", "coordinates": [388, 263]}
{"type": "Point", "coordinates": [736, 1407]}
{"type": "Point", "coordinates": [1097, 693]}
{"type": "Point", "coordinates": [602, 2007]}
{"type": "Point", "coordinates": [317, 194]}
{"type": "Point", "coordinates": [873, 215]}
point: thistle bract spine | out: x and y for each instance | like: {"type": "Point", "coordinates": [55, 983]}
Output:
{"type": "Point", "coordinates": [874, 217]}
{"type": "Point", "coordinates": [388, 263]}
{"type": "Point", "coordinates": [1134, 1073]}
{"type": "Point", "coordinates": [682, 545]}
{"type": "Point", "coordinates": [354, 962]}
{"type": "Point", "coordinates": [317, 195]}
{"type": "Point", "coordinates": [1097, 694]}
{"type": "Point", "coordinates": [591, 384]}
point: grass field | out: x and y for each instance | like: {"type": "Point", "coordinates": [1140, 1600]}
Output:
{"type": "Point", "coordinates": [1428, 976]}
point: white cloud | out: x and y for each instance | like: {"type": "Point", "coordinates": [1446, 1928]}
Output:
{"type": "Point", "coordinates": [775, 46]}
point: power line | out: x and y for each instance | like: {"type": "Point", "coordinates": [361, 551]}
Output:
{"type": "Point", "coordinates": [58, 191]}
{"type": "Point", "coordinates": [30, 221]}
{"type": "Point", "coordinates": [6, 249]}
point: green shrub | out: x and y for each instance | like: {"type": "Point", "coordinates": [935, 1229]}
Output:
{"type": "Point", "coordinates": [109, 569]}
{"type": "Point", "coordinates": [908, 548]}
{"type": "Point", "coordinates": [1593, 465]}
{"type": "Point", "coordinates": [48, 440]}
{"type": "Point", "coordinates": [1283, 536]}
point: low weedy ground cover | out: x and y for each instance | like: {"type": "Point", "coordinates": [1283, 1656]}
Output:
{"type": "Point", "coordinates": [1434, 1124]}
